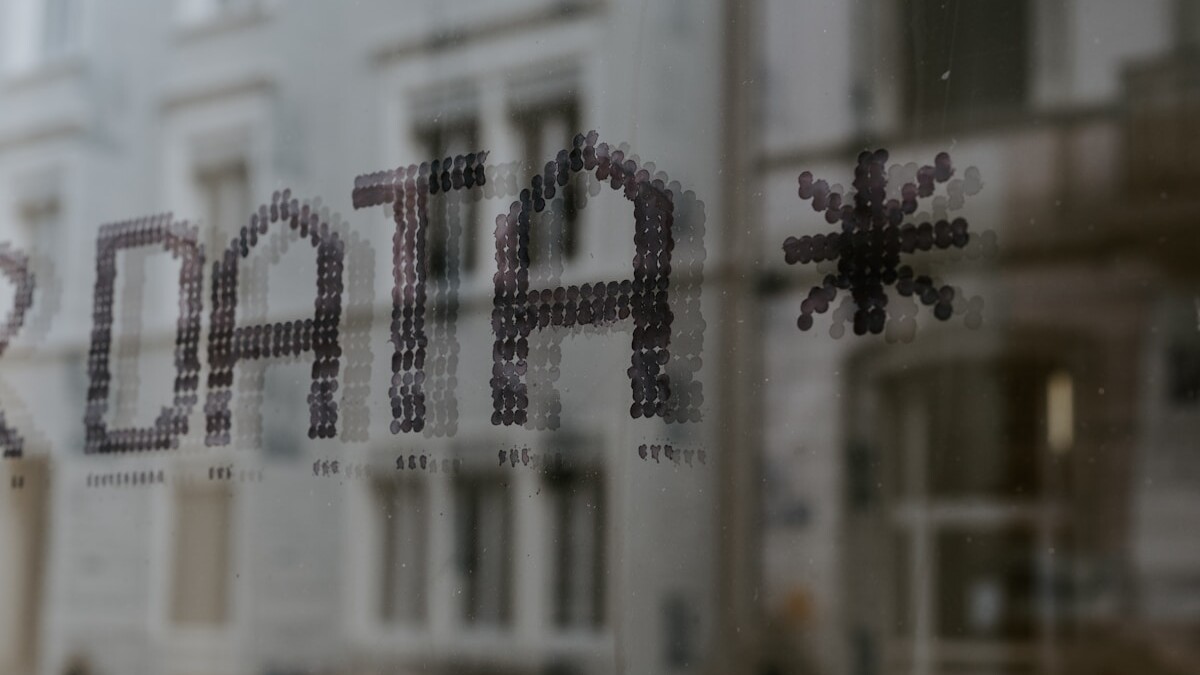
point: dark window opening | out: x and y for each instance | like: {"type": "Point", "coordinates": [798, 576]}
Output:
{"type": "Point", "coordinates": [451, 233]}
{"type": "Point", "coordinates": [578, 513]}
{"type": "Point", "coordinates": [964, 61]}
{"type": "Point", "coordinates": [1183, 369]}
{"type": "Point", "coordinates": [546, 130]}
{"type": "Point", "coordinates": [404, 536]}
{"type": "Point", "coordinates": [483, 510]}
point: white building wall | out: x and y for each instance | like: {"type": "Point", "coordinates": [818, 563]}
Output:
{"type": "Point", "coordinates": [321, 92]}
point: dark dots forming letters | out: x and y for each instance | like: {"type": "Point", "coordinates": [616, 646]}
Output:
{"type": "Point", "coordinates": [425, 353]}
{"type": "Point", "coordinates": [181, 241]}
{"type": "Point", "coordinates": [14, 265]}
{"type": "Point", "coordinates": [409, 191]}
{"type": "Point", "coordinates": [356, 338]}
{"type": "Point", "coordinates": [518, 310]}
{"type": "Point", "coordinates": [229, 343]}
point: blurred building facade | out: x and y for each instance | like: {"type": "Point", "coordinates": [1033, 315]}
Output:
{"type": "Point", "coordinates": [1016, 497]}
{"type": "Point", "coordinates": [1007, 498]}
{"type": "Point", "coordinates": [371, 552]}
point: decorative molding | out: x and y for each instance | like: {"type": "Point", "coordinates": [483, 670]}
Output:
{"type": "Point", "coordinates": [449, 37]}
{"type": "Point", "coordinates": [215, 89]}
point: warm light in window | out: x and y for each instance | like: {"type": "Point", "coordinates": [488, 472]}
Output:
{"type": "Point", "coordinates": [1060, 412]}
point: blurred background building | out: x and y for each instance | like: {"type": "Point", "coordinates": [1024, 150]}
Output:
{"type": "Point", "coordinates": [1013, 498]}
{"type": "Point", "coordinates": [1017, 496]}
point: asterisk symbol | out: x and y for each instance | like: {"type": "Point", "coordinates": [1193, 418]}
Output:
{"type": "Point", "coordinates": [873, 237]}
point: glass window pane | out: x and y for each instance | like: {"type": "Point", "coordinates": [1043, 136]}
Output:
{"type": "Point", "coordinates": [965, 62]}
{"type": "Point", "coordinates": [404, 517]}
{"type": "Point", "coordinates": [987, 585]}
{"type": "Point", "coordinates": [200, 582]}
{"type": "Point", "coordinates": [577, 538]}
{"type": "Point", "coordinates": [483, 511]}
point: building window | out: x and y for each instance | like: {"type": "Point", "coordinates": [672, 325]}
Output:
{"type": "Point", "coordinates": [39, 220]}
{"type": "Point", "coordinates": [545, 130]}
{"type": "Point", "coordinates": [1187, 25]}
{"type": "Point", "coordinates": [403, 509]}
{"type": "Point", "coordinates": [224, 189]}
{"type": "Point", "coordinates": [40, 31]}
{"type": "Point", "coordinates": [483, 523]}
{"type": "Point", "coordinates": [59, 19]}
{"type": "Point", "coordinates": [679, 627]}
{"type": "Point", "coordinates": [987, 583]}
{"type": "Point", "coordinates": [1183, 373]}
{"type": "Point", "coordinates": [453, 227]}
{"type": "Point", "coordinates": [975, 459]}
{"type": "Point", "coordinates": [201, 578]}
{"type": "Point", "coordinates": [577, 506]}
{"type": "Point", "coordinates": [964, 61]}
{"type": "Point", "coordinates": [22, 561]}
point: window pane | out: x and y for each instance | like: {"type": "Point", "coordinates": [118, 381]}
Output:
{"type": "Point", "coordinates": [965, 61]}
{"type": "Point", "coordinates": [58, 30]}
{"type": "Point", "coordinates": [22, 564]}
{"type": "Point", "coordinates": [483, 512]}
{"type": "Point", "coordinates": [452, 234]}
{"type": "Point", "coordinates": [548, 130]}
{"type": "Point", "coordinates": [987, 585]}
{"type": "Point", "coordinates": [580, 569]}
{"type": "Point", "coordinates": [985, 425]}
{"type": "Point", "coordinates": [225, 195]}
{"type": "Point", "coordinates": [200, 581]}
{"type": "Point", "coordinates": [403, 518]}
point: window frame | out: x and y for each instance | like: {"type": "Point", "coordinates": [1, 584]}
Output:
{"type": "Point", "coordinates": [530, 118]}
{"type": "Point", "coordinates": [917, 519]}
{"type": "Point", "coordinates": [557, 482]}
